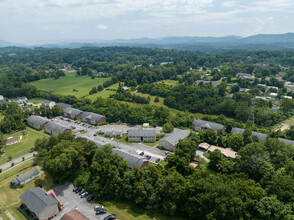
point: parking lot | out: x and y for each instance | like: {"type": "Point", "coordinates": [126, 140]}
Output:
{"type": "Point", "coordinates": [72, 201]}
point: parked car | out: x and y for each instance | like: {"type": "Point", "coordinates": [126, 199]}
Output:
{"type": "Point", "coordinates": [95, 135]}
{"type": "Point", "coordinates": [81, 192]}
{"type": "Point", "coordinates": [97, 207]}
{"type": "Point", "coordinates": [148, 158]}
{"type": "Point", "coordinates": [84, 194]}
{"type": "Point", "coordinates": [157, 160]}
{"type": "Point", "coordinates": [146, 155]}
{"type": "Point", "coordinates": [90, 197]}
{"type": "Point", "coordinates": [167, 157]}
{"type": "Point", "coordinates": [75, 189]}
{"type": "Point", "coordinates": [111, 217]}
{"type": "Point", "coordinates": [101, 212]}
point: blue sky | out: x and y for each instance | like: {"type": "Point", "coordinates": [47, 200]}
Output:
{"type": "Point", "coordinates": [43, 21]}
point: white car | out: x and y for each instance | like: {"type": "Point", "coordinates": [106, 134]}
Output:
{"type": "Point", "coordinates": [98, 207]}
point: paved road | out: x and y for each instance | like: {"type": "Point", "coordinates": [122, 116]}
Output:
{"type": "Point", "coordinates": [17, 160]}
{"type": "Point", "coordinates": [200, 152]}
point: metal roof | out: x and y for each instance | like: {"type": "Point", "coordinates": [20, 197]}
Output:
{"type": "Point", "coordinates": [23, 177]}
{"type": "Point", "coordinates": [260, 136]}
{"type": "Point", "coordinates": [142, 132]}
{"type": "Point", "coordinates": [37, 200]}
{"type": "Point", "coordinates": [133, 159]}
{"type": "Point", "coordinates": [175, 136]}
{"type": "Point", "coordinates": [208, 124]}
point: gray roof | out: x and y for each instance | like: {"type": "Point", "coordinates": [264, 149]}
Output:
{"type": "Point", "coordinates": [133, 159]}
{"type": "Point", "coordinates": [37, 120]}
{"type": "Point", "coordinates": [208, 124]}
{"type": "Point", "coordinates": [37, 200]}
{"type": "Point", "coordinates": [3, 102]}
{"type": "Point", "coordinates": [56, 127]}
{"type": "Point", "coordinates": [260, 136]}
{"type": "Point", "coordinates": [92, 116]}
{"type": "Point", "coordinates": [63, 105]}
{"type": "Point", "coordinates": [72, 111]}
{"type": "Point", "coordinates": [175, 136]}
{"type": "Point", "coordinates": [23, 177]}
{"type": "Point", "coordinates": [142, 132]}
{"type": "Point", "coordinates": [46, 102]}
{"type": "Point", "coordinates": [286, 141]}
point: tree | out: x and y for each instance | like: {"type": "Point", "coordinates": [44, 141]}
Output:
{"type": "Point", "coordinates": [209, 136]}
{"type": "Point", "coordinates": [156, 99]}
{"type": "Point", "coordinates": [100, 87]}
{"type": "Point", "coordinates": [247, 136]}
{"type": "Point", "coordinates": [93, 90]}
{"type": "Point", "coordinates": [57, 111]}
{"type": "Point", "coordinates": [235, 141]}
{"type": "Point", "coordinates": [214, 158]}
{"type": "Point", "coordinates": [168, 127]}
{"type": "Point", "coordinates": [2, 142]}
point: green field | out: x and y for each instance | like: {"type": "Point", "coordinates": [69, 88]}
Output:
{"type": "Point", "coordinates": [66, 85]}
{"type": "Point", "coordinates": [23, 147]}
{"type": "Point", "coordinates": [9, 198]}
{"type": "Point", "coordinates": [36, 100]}
{"type": "Point", "coordinates": [169, 82]}
{"type": "Point", "coordinates": [104, 93]}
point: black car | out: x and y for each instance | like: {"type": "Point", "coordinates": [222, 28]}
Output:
{"type": "Point", "coordinates": [81, 192]}
{"type": "Point", "coordinates": [110, 217]}
{"type": "Point", "coordinates": [157, 160]}
{"type": "Point", "coordinates": [90, 197]}
{"type": "Point", "coordinates": [101, 212]}
{"type": "Point", "coordinates": [75, 189]}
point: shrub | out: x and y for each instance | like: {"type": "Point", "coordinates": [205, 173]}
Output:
{"type": "Point", "coordinates": [12, 164]}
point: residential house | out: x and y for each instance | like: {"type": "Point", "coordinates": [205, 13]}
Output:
{"type": "Point", "coordinates": [93, 118]}
{"type": "Point", "coordinates": [287, 97]}
{"type": "Point", "coordinates": [41, 205]}
{"type": "Point", "coordinates": [260, 97]}
{"type": "Point", "coordinates": [199, 125]}
{"type": "Point", "coordinates": [12, 140]}
{"type": "Point", "coordinates": [72, 113]}
{"type": "Point", "coordinates": [113, 133]}
{"type": "Point", "coordinates": [286, 141]}
{"type": "Point", "coordinates": [37, 122]}
{"type": "Point", "coordinates": [3, 102]}
{"type": "Point", "coordinates": [63, 105]}
{"type": "Point", "coordinates": [193, 165]}
{"type": "Point", "coordinates": [261, 85]}
{"type": "Point", "coordinates": [273, 94]}
{"type": "Point", "coordinates": [276, 109]}
{"type": "Point", "coordinates": [261, 137]}
{"type": "Point", "coordinates": [245, 76]}
{"type": "Point", "coordinates": [244, 90]}
{"type": "Point", "coordinates": [48, 103]}
{"type": "Point", "coordinates": [132, 158]}
{"type": "Point", "coordinates": [21, 101]}
{"type": "Point", "coordinates": [125, 88]}
{"type": "Point", "coordinates": [1, 97]}
{"type": "Point", "coordinates": [227, 152]}
{"type": "Point", "coordinates": [73, 215]}
{"type": "Point", "coordinates": [170, 140]}
{"type": "Point", "coordinates": [204, 146]}
{"type": "Point", "coordinates": [142, 135]}
{"type": "Point", "coordinates": [55, 129]}
{"type": "Point", "coordinates": [25, 178]}
{"type": "Point", "coordinates": [273, 87]}
{"type": "Point", "coordinates": [213, 83]}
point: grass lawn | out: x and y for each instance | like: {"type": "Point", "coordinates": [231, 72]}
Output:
{"type": "Point", "coordinates": [151, 144]}
{"type": "Point", "coordinates": [169, 82]}
{"type": "Point", "coordinates": [36, 100]}
{"type": "Point", "coordinates": [9, 198]}
{"type": "Point", "coordinates": [104, 93]}
{"type": "Point", "coordinates": [23, 147]}
{"type": "Point", "coordinates": [65, 85]}
{"type": "Point", "coordinates": [160, 103]}
{"type": "Point", "coordinates": [128, 211]}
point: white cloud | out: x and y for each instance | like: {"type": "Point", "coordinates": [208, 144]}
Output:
{"type": "Point", "coordinates": [229, 4]}
{"type": "Point", "coordinates": [101, 27]}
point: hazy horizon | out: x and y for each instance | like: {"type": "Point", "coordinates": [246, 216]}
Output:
{"type": "Point", "coordinates": [36, 21]}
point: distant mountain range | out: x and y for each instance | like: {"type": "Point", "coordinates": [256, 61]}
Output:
{"type": "Point", "coordinates": [260, 41]}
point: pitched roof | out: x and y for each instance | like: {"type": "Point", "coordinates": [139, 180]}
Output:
{"type": "Point", "coordinates": [63, 105]}
{"type": "Point", "coordinates": [46, 102]}
{"type": "Point", "coordinates": [12, 139]}
{"type": "Point", "coordinates": [74, 215]}
{"type": "Point", "coordinates": [37, 120]}
{"type": "Point", "coordinates": [72, 111]}
{"type": "Point", "coordinates": [175, 136]}
{"type": "Point", "coordinates": [92, 116]}
{"type": "Point", "coordinates": [37, 200]}
{"type": "Point", "coordinates": [208, 124]}
{"type": "Point", "coordinates": [286, 141]}
{"type": "Point", "coordinates": [142, 132]}
{"type": "Point", "coordinates": [228, 152]}
{"type": "Point", "coordinates": [260, 136]}
{"type": "Point", "coordinates": [23, 177]}
{"type": "Point", "coordinates": [204, 145]}
{"type": "Point", "coordinates": [133, 159]}
{"type": "Point", "coordinates": [56, 127]}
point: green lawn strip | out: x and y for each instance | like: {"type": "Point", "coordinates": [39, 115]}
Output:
{"type": "Point", "coordinates": [67, 84]}
{"type": "Point", "coordinates": [9, 198]}
{"type": "Point", "coordinates": [169, 82]}
{"type": "Point", "coordinates": [128, 211]}
{"type": "Point", "coordinates": [23, 147]}
{"type": "Point", "coordinates": [36, 100]}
